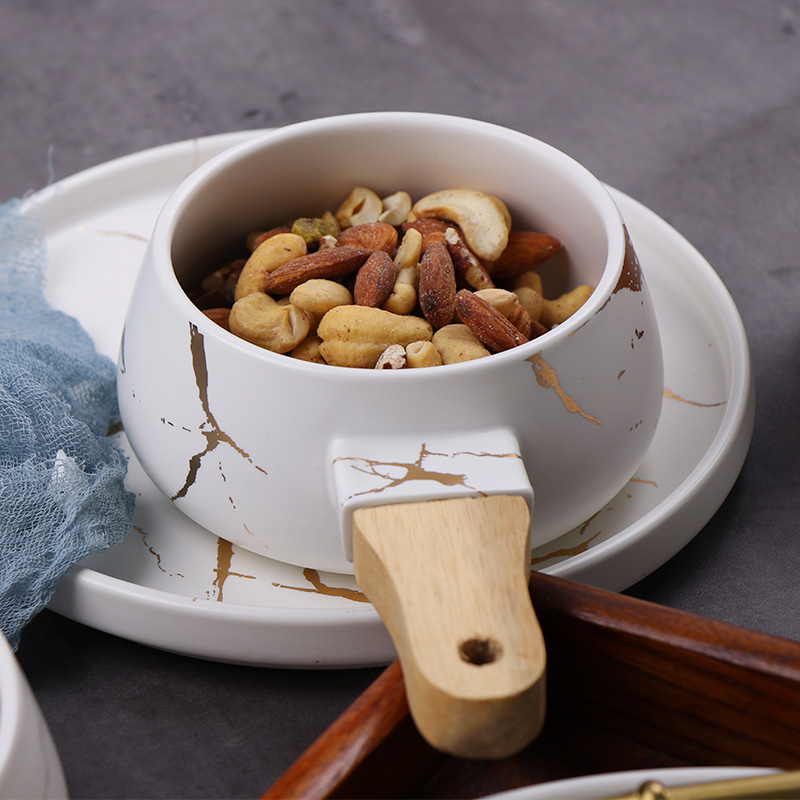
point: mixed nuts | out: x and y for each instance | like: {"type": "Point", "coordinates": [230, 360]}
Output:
{"type": "Point", "coordinates": [389, 284]}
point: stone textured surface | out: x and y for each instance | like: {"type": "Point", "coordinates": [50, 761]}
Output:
{"type": "Point", "coordinates": [692, 108]}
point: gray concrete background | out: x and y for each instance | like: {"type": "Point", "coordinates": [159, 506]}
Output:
{"type": "Point", "coordinates": [693, 108]}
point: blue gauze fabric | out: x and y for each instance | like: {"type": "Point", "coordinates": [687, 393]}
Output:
{"type": "Point", "coordinates": [62, 492]}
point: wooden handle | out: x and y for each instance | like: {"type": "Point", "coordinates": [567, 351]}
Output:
{"type": "Point", "coordinates": [450, 581]}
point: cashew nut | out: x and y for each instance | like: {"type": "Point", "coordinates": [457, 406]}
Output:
{"type": "Point", "coordinates": [361, 205]}
{"type": "Point", "coordinates": [554, 312]}
{"type": "Point", "coordinates": [483, 219]}
{"type": "Point", "coordinates": [528, 288]}
{"type": "Point", "coordinates": [531, 279]}
{"type": "Point", "coordinates": [355, 336]}
{"type": "Point", "coordinates": [266, 258]}
{"type": "Point", "coordinates": [531, 301]}
{"type": "Point", "coordinates": [402, 300]}
{"type": "Point", "coordinates": [262, 321]}
{"type": "Point", "coordinates": [456, 343]}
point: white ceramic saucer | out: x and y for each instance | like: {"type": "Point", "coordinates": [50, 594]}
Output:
{"type": "Point", "coordinates": [593, 787]}
{"type": "Point", "coordinates": [173, 585]}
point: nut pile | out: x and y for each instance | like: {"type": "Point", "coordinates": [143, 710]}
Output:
{"type": "Point", "coordinates": [386, 283]}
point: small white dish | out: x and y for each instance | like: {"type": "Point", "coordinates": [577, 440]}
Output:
{"type": "Point", "coordinates": [173, 585]}
{"type": "Point", "coordinates": [594, 787]}
{"type": "Point", "coordinates": [29, 763]}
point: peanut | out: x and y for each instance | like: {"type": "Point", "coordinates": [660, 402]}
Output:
{"type": "Point", "coordinates": [403, 298]}
{"type": "Point", "coordinates": [361, 205]}
{"type": "Point", "coordinates": [456, 343]}
{"type": "Point", "coordinates": [395, 208]}
{"type": "Point", "coordinates": [423, 354]}
{"type": "Point", "coordinates": [393, 357]}
{"type": "Point", "coordinates": [355, 336]}
{"type": "Point", "coordinates": [308, 350]}
{"type": "Point", "coordinates": [318, 296]}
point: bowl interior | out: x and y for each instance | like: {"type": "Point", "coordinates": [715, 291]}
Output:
{"type": "Point", "coordinates": [306, 169]}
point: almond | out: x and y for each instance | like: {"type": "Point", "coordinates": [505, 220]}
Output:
{"type": "Point", "coordinates": [525, 251]}
{"type": "Point", "coordinates": [375, 280]}
{"type": "Point", "coordinates": [219, 315]}
{"type": "Point", "coordinates": [224, 279]}
{"type": "Point", "coordinates": [371, 236]}
{"type": "Point", "coordinates": [508, 304]}
{"type": "Point", "coordinates": [490, 327]}
{"type": "Point", "coordinates": [466, 262]}
{"type": "Point", "coordinates": [437, 285]}
{"type": "Point", "coordinates": [537, 329]}
{"type": "Point", "coordinates": [335, 262]}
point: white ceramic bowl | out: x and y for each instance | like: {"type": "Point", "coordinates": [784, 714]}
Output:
{"type": "Point", "coordinates": [247, 442]}
{"type": "Point", "coordinates": [29, 763]}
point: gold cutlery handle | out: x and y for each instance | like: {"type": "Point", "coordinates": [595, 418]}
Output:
{"type": "Point", "coordinates": [760, 787]}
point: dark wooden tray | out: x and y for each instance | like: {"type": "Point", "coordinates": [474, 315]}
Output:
{"type": "Point", "coordinates": [631, 685]}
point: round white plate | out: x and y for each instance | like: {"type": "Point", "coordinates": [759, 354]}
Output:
{"type": "Point", "coordinates": [29, 763]}
{"type": "Point", "coordinates": [173, 585]}
{"type": "Point", "coordinates": [593, 787]}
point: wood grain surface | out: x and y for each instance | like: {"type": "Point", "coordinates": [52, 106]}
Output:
{"type": "Point", "coordinates": [631, 684]}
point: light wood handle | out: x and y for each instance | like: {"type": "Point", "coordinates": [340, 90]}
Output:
{"type": "Point", "coordinates": [450, 581]}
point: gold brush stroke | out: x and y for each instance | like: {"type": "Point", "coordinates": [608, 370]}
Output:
{"type": "Point", "coordinates": [152, 552]}
{"type": "Point", "coordinates": [584, 546]}
{"type": "Point", "coordinates": [642, 480]}
{"type": "Point", "coordinates": [631, 276]}
{"type": "Point", "coordinates": [223, 567]}
{"type": "Point", "coordinates": [571, 551]}
{"type": "Point", "coordinates": [547, 378]}
{"type": "Point", "coordinates": [416, 472]}
{"type": "Point", "coordinates": [312, 576]}
{"type": "Point", "coordinates": [210, 429]}
{"type": "Point", "coordinates": [672, 396]}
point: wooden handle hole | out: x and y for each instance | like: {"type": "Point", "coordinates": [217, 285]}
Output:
{"type": "Point", "coordinates": [479, 651]}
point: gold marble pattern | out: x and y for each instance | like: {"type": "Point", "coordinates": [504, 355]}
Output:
{"type": "Point", "coordinates": [210, 428]}
{"type": "Point", "coordinates": [415, 470]}
{"type": "Point", "coordinates": [547, 378]}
